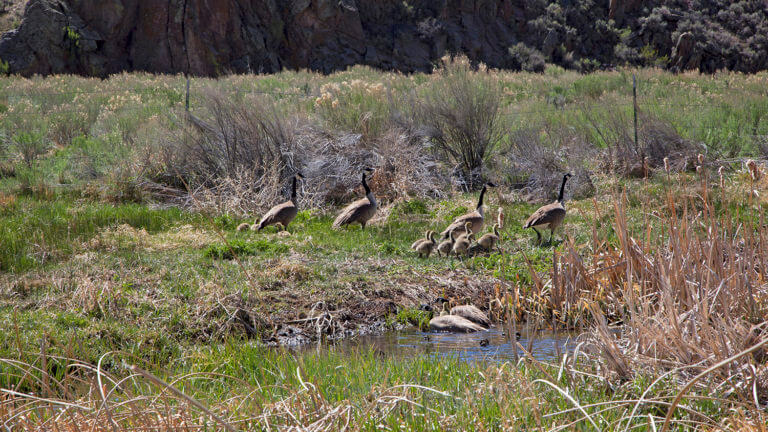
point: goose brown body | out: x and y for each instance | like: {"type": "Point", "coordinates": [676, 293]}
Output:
{"type": "Point", "coordinates": [549, 216]}
{"type": "Point", "coordinates": [471, 313]}
{"type": "Point", "coordinates": [453, 324]}
{"type": "Point", "coordinates": [475, 218]}
{"type": "Point", "coordinates": [283, 213]}
{"type": "Point", "coordinates": [359, 211]}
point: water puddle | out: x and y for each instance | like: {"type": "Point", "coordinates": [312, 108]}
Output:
{"type": "Point", "coordinates": [490, 345]}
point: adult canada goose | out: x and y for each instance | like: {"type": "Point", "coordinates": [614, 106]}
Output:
{"type": "Point", "coordinates": [425, 247]}
{"type": "Point", "coordinates": [476, 218]}
{"type": "Point", "coordinates": [487, 241]}
{"type": "Point", "coordinates": [455, 322]}
{"type": "Point", "coordinates": [549, 216]}
{"type": "Point", "coordinates": [360, 211]}
{"type": "Point", "coordinates": [416, 244]}
{"type": "Point", "coordinates": [446, 246]}
{"type": "Point", "coordinates": [282, 213]}
{"type": "Point", "coordinates": [471, 313]}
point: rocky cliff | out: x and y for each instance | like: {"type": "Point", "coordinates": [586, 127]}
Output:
{"type": "Point", "coordinates": [211, 37]}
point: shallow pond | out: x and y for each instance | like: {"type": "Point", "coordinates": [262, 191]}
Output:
{"type": "Point", "coordinates": [489, 345]}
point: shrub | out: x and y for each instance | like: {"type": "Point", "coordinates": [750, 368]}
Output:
{"type": "Point", "coordinates": [460, 109]}
{"type": "Point", "coordinates": [30, 145]}
{"type": "Point", "coordinates": [523, 57]}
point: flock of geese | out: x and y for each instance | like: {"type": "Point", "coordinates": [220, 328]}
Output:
{"type": "Point", "coordinates": [455, 239]}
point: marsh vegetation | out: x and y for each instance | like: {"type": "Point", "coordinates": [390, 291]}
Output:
{"type": "Point", "coordinates": [131, 301]}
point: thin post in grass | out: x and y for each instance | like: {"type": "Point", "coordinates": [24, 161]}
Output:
{"type": "Point", "coordinates": [634, 110]}
{"type": "Point", "coordinates": [186, 99]}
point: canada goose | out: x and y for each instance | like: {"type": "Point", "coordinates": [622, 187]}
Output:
{"type": "Point", "coordinates": [360, 211]}
{"type": "Point", "coordinates": [487, 241]}
{"type": "Point", "coordinates": [282, 213]}
{"type": "Point", "coordinates": [471, 313]}
{"type": "Point", "coordinates": [461, 246]}
{"type": "Point", "coordinates": [425, 247]}
{"type": "Point", "coordinates": [453, 324]}
{"type": "Point", "coordinates": [448, 322]}
{"type": "Point", "coordinates": [419, 241]}
{"type": "Point", "coordinates": [446, 246]}
{"type": "Point", "coordinates": [475, 217]}
{"type": "Point", "coordinates": [549, 216]}
{"type": "Point", "coordinates": [244, 226]}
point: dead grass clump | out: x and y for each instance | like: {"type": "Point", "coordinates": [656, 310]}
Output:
{"type": "Point", "coordinates": [183, 236]}
{"type": "Point", "coordinates": [238, 158]}
{"type": "Point", "coordinates": [406, 169]}
{"type": "Point", "coordinates": [291, 271]}
{"type": "Point", "coordinates": [121, 237]}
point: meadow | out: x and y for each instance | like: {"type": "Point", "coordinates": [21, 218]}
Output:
{"type": "Point", "coordinates": [132, 302]}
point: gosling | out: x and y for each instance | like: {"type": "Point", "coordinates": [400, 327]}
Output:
{"type": "Point", "coordinates": [487, 241]}
{"type": "Point", "coordinates": [446, 246]}
{"type": "Point", "coordinates": [424, 249]}
{"type": "Point", "coordinates": [461, 247]}
{"type": "Point", "coordinates": [419, 241]}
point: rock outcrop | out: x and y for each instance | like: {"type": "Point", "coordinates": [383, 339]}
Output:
{"type": "Point", "coordinates": [204, 37]}
{"type": "Point", "coordinates": [207, 37]}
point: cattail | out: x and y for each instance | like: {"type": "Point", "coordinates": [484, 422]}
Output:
{"type": "Point", "coordinates": [720, 172]}
{"type": "Point", "coordinates": [753, 170]}
{"type": "Point", "coordinates": [701, 159]}
{"type": "Point", "coordinates": [500, 218]}
{"type": "Point", "coordinates": [666, 164]}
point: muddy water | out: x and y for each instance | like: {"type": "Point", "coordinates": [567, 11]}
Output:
{"type": "Point", "coordinates": [490, 345]}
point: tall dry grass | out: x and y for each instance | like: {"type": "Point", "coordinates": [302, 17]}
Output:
{"type": "Point", "coordinates": [686, 293]}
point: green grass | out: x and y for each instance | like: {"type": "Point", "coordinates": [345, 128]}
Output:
{"type": "Point", "coordinates": [36, 231]}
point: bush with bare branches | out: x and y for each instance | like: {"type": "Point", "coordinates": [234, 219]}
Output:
{"type": "Point", "coordinates": [461, 113]}
{"type": "Point", "coordinates": [238, 159]}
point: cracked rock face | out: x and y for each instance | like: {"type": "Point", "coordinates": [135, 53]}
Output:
{"type": "Point", "coordinates": [207, 37]}
{"type": "Point", "coordinates": [214, 37]}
